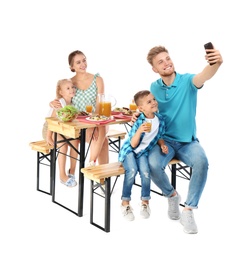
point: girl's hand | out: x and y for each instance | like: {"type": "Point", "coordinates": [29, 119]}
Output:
{"type": "Point", "coordinates": [50, 141]}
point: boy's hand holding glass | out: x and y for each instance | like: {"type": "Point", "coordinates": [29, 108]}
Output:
{"type": "Point", "coordinates": [148, 124]}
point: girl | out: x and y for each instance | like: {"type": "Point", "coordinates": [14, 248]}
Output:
{"type": "Point", "coordinates": [65, 91]}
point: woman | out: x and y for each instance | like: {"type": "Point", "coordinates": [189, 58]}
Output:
{"type": "Point", "coordinates": [88, 86]}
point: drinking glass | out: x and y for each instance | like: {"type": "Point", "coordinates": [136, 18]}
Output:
{"type": "Point", "coordinates": [132, 106]}
{"type": "Point", "coordinates": [89, 108]}
{"type": "Point", "coordinates": [149, 125]}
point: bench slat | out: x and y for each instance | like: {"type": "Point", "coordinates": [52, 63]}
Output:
{"type": "Point", "coordinates": [100, 172]}
{"type": "Point", "coordinates": [41, 146]}
{"type": "Point", "coordinates": [113, 133]}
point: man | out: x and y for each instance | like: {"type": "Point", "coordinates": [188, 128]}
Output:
{"type": "Point", "coordinates": [177, 99]}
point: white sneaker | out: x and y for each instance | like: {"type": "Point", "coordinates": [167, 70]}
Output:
{"type": "Point", "coordinates": [173, 207]}
{"type": "Point", "coordinates": [145, 211]}
{"type": "Point", "coordinates": [69, 183]}
{"type": "Point", "coordinates": [92, 163]}
{"type": "Point", "coordinates": [127, 212]}
{"type": "Point", "coordinates": [72, 176]}
{"type": "Point", "coordinates": [188, 222]}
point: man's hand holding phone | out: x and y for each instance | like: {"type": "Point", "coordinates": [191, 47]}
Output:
{"type": "Point", "coordinates": [209, 46]}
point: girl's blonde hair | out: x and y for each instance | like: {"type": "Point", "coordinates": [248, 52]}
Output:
{"type": "Point", "coordinates": [59, 86]}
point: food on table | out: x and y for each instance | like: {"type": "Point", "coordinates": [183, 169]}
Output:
{"type": "Point", "coordinates": [98, 118]}
{"type": "Point", "coordinates": [83, 113]}
{"type": "Point", "coordinates": [67, 113]}
{"type": "Point", "coordinates": [123, 110]}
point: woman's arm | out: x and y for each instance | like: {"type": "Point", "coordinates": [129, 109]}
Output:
{"type": "Point", "coordinates": [55, 104]}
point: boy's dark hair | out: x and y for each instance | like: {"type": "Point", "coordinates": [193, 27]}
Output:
{"type": "Point", "coordinates": [139, 95]}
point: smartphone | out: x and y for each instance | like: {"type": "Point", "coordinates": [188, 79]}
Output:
{"type": "Point", "coordinates": [209, 45]}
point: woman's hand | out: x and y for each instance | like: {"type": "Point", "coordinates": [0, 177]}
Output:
{"type": "Point", "coordinates": [55, 104]}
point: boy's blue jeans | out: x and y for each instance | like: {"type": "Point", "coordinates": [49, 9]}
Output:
{"type": "Point", "coordinates": [193, 155]}
{"type": "Point", "coordinates": [133, 165]}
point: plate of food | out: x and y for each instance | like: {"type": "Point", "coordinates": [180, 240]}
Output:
{"type": "Point", "coordinates": [121, 116]}
{"type": "Point", "coordinates": [122, 110]}
{"type": "Point", "coordinates": [116, 113]}
{"type": "Point", "coordinates": [97, 118]}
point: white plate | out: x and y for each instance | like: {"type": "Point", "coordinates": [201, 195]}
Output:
{"type": "Point", "coordinates": [97, 120]}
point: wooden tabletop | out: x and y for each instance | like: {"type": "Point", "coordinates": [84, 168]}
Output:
{"type": "Point", "coordinates": [73, 129]}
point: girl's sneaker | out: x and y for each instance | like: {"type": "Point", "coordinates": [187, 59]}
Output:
{"type": "Point", "coordinates": [69, 183]}
{"type": "Point", "coordinates": [72, 176]}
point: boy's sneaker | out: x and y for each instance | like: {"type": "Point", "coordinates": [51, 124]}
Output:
{"type": "Point", "coordinates": [145, 211]}
{"type": "Point", "coordinates": [188, 222]}
{"type": "Point", "coordinates": [127, 212]}
{"type": "Point", "coordinates": [173, 207]}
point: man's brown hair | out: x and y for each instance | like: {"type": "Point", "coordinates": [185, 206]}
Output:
{"type": "Point", "coordinates": [155, 51]}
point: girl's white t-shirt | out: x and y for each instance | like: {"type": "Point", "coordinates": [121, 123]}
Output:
{"type": "Point", "coordinates": [63, 104]}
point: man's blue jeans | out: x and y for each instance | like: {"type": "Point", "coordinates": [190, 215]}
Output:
{"type": "Point", "coordinates": [133, 165]}
{"type": "Point", "coordinates": [193, 155]}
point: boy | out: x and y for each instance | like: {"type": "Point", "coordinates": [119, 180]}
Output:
{"type": "Point", "coordinates": [134, 152]}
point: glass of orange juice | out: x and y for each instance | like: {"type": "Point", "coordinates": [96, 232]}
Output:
{"type": "Point", "coordinates": [132, 106]}
{"type": "Point", "coordinates": [149, 125]}
{"type": "Point", "coordinates": [89, 108]}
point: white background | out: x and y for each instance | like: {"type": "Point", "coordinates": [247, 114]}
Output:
{"type": "Point", "coordinates": [36, 38]}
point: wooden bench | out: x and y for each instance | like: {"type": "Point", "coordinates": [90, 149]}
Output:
{"type": "Point", "coordinates": [101, 175]}
{"type": "Point", "coordinates": [44, 153]}
{"type": "Point", "coordinates": [44, 156]}
{"type": "Point", "coordinates": [115, 137]}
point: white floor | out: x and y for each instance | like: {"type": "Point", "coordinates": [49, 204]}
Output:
{"type": "Point", "coordinates": [32, 227]}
